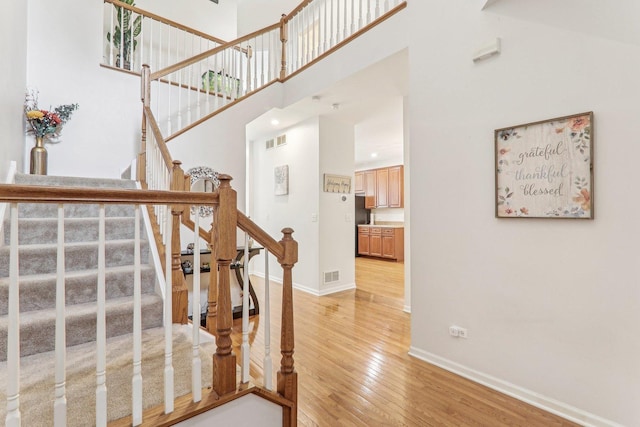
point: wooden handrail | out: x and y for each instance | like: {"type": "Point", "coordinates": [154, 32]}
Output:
{"type": "Point", "coordinates": [165, 21]}
{"type": "Point", "coordinates": [347, 40]}
{"type": "Point", "coordinates": [197, 58]}
{"type": "Point", "coordinates": [260, 236]}
{"type": "Point", "coordinates": [166, 156]}
{"type": "Point", "coordinates": [295, 11]}
{"type": "Point", "coordinates": [14, 193]}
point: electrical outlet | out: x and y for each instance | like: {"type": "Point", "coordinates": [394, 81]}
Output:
{"type": "Point", "coordinates": [457, 331]}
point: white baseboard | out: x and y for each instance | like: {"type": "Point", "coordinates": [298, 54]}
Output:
{"type": "Point", "coordinates": [308, 290]}
{"type": "Point", "coordinates": [548, 404]}
{"type": "Point", "coordinates": [407, 309]}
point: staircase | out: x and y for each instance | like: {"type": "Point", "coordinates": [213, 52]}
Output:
{"type": "Point", "coordinates": [37, 255]}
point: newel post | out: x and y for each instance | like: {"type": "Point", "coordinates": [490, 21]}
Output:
{"type": "Point", "coordinates": [180, 291]}
{"type": "Point", "coordinates": [284, 37]}
{"type": "Point", "coordinates": [145, 97]}
{"type": "Point", "coordinates": [287, 375]}
{"type": "Point", "coordinates": [225, 220]}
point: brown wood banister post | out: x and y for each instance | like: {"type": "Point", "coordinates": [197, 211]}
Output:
{"type": "Point", "coordinates": [224, 235]}
{"type": "Point", "coordinates": [180, 291]}
{"type": "Point", "coordinates": [287, 375]}
{"type": "Point", "coordinates": [212, 297]}
{"type": "Point", "coordinates": [284, 37]}
{"type": "Point", "coordinates": [145, 96]}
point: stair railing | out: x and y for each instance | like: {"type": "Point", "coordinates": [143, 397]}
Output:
{"type": "Point", "coordinates": [193, 90]}
{"type": "Point", "coordinates": [226, 219]}
{"type": "Point", "coordinates": [134, 36]}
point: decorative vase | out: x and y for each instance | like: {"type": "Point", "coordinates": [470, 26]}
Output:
{"type": "Point", "coordinates": [39, 158]}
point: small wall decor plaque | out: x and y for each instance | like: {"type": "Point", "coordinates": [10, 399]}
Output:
{"type": "Point", "coordinates": [545, 169]}
{"type": "Point", "coordinates": [281, 176]}
{"type": "Point", "coordinates": [337, 183]}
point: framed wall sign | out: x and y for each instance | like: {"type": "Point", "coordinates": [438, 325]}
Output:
{"type": "Point", "coordinates": [281, 178]}
{"type": "Point", "coordinates": [337, 183]}
{"type": "Point", "coordinates": [545, 169]}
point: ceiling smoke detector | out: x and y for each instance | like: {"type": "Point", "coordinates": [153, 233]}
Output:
{"type": "Point", "coordinates": [335, 106]}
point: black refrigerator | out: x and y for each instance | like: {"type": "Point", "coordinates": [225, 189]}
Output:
{"type": "Point", "coordinates": [361, 215]}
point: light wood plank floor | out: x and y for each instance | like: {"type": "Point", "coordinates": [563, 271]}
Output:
{"type": "Point", "coordinates": [354, 370]}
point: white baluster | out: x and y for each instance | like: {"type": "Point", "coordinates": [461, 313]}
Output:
{"type": "Point", "coordinates": [268, 374]}
{"type": "Point", "coordinates": [307, 31]}
{"type": "Point", "coordinates": [180, 72]}
{"type": "Point", "coordinates": [101, 330]}
{"type": "Point", "coordinates": [141, 35]}
{"type": "Point", "coordinates": [217, 70]}
{"type": "Point", "coordinates": [132, 26]}
{"type": "Point", "coordinates": [249, 56]}
{"type": "Point", "coordinates": [13, 336]}
{"type": "Point", "coordinates": [262, 63]}
{"type": "Point", "coordinates": [360, 14]}
{"type": "Point", "coordinates": [377, 9]}
{"type": "Point", "coordinates": [245, 349]}
{"type": "Point", "coordinates": [332, 40]}
{"type": "Point", "coordinates": [60, 403]}
{"type": "Point", "coordinates": [345, 30]}
{"type": "Point", "coordinates": [196, 363]}
{"type": "Point", "coordinates": [121, 50]}
{"type": "Point", "coordinates": [136, 381]}
{"type": "Point", "coordinates": [168, 323]}
{"type": "Point", "coordinates": [255, 61]}
{"type": "Point", "coordinates": [111, 30]}
{"type": "Point", "coordinates": [353, 16]}
{"type": "Point", "coordinates": [189, 86]}
{"type": "Point", "coordinates": [323, 22]}
{"type": "Point", "coordinates": [386, 6]}
{"type": "Point", "coordinates": [151, 45]}
{"type": "Point", "coordinates": [368, 11]}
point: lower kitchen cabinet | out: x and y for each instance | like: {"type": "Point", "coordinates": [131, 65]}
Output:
{"type": "Point", "coordinates": [381, 241]}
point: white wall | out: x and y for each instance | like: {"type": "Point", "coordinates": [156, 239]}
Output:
{"type": "Point", "coordinates": [13, 48]}
{"type": "Point", "coordinates": [101, 138]}
{"type": "Point", "coordinates": [218, 20]}
{"type": "Point", "coordinates": [295, 210]}
{"type": "Point", "coordinates": [256, 14]}
{"type": "Point", "coordinates": [337, 227]}
{"type": "Point", "coordinates": [552, 307]}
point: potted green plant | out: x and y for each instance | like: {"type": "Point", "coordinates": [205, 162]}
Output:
{"type": "Point", "coordinates": [125, 33]}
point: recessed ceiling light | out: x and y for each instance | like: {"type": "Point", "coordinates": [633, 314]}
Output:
{"type": "Point", "coordinates": [275, 122]}
{"type": "Point", "coordinates": [374, 154]}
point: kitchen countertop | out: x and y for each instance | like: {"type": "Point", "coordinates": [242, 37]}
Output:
{"type": "Point", "coordinates": [382, 225]}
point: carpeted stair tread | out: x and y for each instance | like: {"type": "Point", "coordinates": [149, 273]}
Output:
{"type": "Point", "coordinates": [42, 259]}
{"type": "Point", "coordinates": [38, 292]}
{"type": "Point", "coordinates": [71, 210]}
{"type": "Point", "coordinates": [37, 328]}
{"type": "Point", "coordinates": [70, 181]}
{"type": "Point", "coordinates": [45, 230]}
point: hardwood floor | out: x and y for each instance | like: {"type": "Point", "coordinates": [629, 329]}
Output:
{"type": "Point", "coordinates": [354, 370]}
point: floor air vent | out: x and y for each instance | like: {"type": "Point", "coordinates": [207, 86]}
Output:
{"type": "Point", "coordinates": [331, 276]}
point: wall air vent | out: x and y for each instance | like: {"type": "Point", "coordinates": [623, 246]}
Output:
{"type": "Point", "coordinates": [270, 143]}
{"type": "Point", "coordinates": [331, 276]}
{"type": "Point", "coordinates": [281, 140]}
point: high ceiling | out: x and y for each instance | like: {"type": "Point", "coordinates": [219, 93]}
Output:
{"type": "Point", "coordinates": [371, 100]}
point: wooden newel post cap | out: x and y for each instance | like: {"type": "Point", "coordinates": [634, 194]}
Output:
{"type": "Point", "coordinates": [290, 247]}
{"type": "Point", "coordinates": [225, 180]}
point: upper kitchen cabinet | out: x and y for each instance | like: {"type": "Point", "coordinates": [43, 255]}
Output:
{"type": "Point", "coordinates": [383, 187]}
{"type": "Point", "coordinates": [396, 187]}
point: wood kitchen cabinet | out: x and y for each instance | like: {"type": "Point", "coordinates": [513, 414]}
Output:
{"type": "Point", "coordinates": [393, 243]}
{"type": "Point", "coordinates": [382, 242]}
{"type": "Point", "coordinates": [363, 240]}
{"type": "Point", "coordinates": [358, 187]}
{"type": "Point", "coordinates": [396, 187]}
{"type": "Point", "coordinates": [382, 188]}
{"type": "Point", "coordinates": [370, 189]}
{"type": "Point", "coordinates": [375, 241]}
